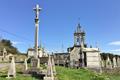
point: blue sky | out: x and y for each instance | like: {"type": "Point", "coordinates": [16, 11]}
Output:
{"type": "Point", "coordinates": [58, 21]}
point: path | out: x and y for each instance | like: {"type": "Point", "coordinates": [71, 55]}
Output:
{"type": "Point", "coordinates": [2, 65]}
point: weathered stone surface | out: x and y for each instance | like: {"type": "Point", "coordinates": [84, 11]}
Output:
{"type": "Point", "coordinates": [49, 68]}
{"type": "Point", "coordinates": [12, 69]}
{"type": "Point", "coordinates": [34, 63]}
{"type": "Point", "coordinates": [114, 62]}
{"type": "Point", "coordinates": [25, 64]}
{"type": "Point", "coordinates": [53, 66]}
{"type": "Point", "coordinates": [38, 64]}
{"type": "Point", "coordinates": [118, 62]}
{"type": "Point", "coordinates": [93, 59]}
{"type": "Point", "coordinates": [74, 56]}
{"type": "Point", "coordinates": [108, 63]}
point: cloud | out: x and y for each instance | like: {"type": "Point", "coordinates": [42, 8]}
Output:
{"type": "Point", "coordinates": [115, 43]}
{"type": "Point", "coordinates": [116, 50]}
{"type": "Point", "coordinates": [16, 43]}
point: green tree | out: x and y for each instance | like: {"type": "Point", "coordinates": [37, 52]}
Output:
{"type": "Point", "coordinates": [4, 43]}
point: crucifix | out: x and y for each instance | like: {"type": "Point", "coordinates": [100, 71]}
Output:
{"type": "Point", "coordinates": [37, 9]}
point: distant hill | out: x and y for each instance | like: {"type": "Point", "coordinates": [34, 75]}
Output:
{"type": "Point", "coordinates": [4, 43]}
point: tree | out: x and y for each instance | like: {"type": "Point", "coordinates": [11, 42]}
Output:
{"type": "Point", "coordinates": [4, 43]}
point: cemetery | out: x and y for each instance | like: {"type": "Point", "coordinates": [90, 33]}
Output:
{"type": "Point", "coordinates": [80, 62]}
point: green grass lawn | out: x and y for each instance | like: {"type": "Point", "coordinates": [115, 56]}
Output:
{"type": "Point", "coordinates": [64, 74]}
{"type": "Point", "coordinates": [82, 74]}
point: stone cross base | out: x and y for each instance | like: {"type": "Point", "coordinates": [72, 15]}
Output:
{"type": "Point", "coordinates": [48, 78]}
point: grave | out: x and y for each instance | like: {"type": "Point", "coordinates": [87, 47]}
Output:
{"type": "Point", "coordinates": [25, 64]}
{"type": "Point", "coordinates": [12, 69]}
{"type": "Point", "coordinates": [114, 62]}
{"type": "Point", "coordinates": [49, 74]}
{"type": "Point", "coordinates": [108, 63]}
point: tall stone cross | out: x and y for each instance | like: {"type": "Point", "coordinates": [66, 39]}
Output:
{"type": "Point", "coordinates": [37, 10]}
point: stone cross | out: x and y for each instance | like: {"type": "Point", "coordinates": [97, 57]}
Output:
{"type": "Point", "coordinates": [12, 69]}
{"type": "Point", "coordinates": [36, 9]}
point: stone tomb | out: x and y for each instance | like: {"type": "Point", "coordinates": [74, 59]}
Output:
{"type": "Point", "coordinates": [93, 58]}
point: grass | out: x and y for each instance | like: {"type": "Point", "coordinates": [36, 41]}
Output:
{"type": "Point", "coordinates": [63, 74]}
{"type": "Point", "coordinates": [19, 76]}
{"type": "Point", "coordinates": [76, 74]}
{"type": "Point", "coordinates": [82, 74]}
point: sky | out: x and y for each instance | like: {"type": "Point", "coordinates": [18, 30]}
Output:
{"type": "Point", "coordinates": [58, 20]}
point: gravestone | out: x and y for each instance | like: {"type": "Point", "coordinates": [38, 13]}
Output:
{"type": "Point", "coordinates": [118, 62]}
{"type": "Point", "coordinates": [12, 69]}
{"type": "Point", "coordinates": [4, 52]}
{"type": "Point", "coordinates": [102, 64]}
{"type": "Point", "coordinates": [108, 63]}
{"type": "Point", "coordinates": [114, 62]}
{"type": "Point", "coordinates": [49, 74]}
{"type": "Point", "coordinates": [38, 64]}
{"type": "Point", "coordinates": [53, 65]}
{"type": "Point", "coordinates": [25, 63]}
{"type": "Point", "coordinates": [34, 63]}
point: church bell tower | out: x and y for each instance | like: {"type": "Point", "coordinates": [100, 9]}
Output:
{"type": "Point", "coordinates": [79, 36]}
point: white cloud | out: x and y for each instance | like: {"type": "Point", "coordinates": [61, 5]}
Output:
{"type": "Point", "coordinates": [116, 50]}
{"type": "Point", "coordinates": [115, 43]}
{"type": "Point", "coordinates": [16, 43]}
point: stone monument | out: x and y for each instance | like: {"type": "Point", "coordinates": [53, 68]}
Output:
{"type": "Point", "coordinates": [114, 62]}
{"type": "Point", "coordinates": [4, 54]}
{"type": "Point", "coordinates": [25, 64]}
{"type": "Point", "coordinates": [35, 61]}
{"type": "Point", "coordinates": [12, 69]}
{"type": "Point", "coordinates": [118, 62]}
{"type": "Point", "coordinates": [53, 66]}
{"type": "Point", "coordinates": [49, 74]}
{"type": "Point", "coordinates": [108, 63]}
{"type": "Point", "coordinates": [38, 64]}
